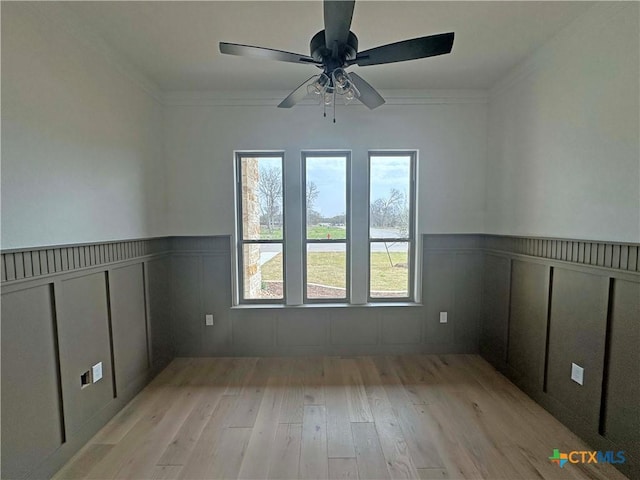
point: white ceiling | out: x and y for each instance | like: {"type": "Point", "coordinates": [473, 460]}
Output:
{"type": "Point", "coordinates": [175, 44]}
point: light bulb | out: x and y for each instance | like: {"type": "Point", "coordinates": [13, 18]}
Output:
{"type": "Point", "coordinates": [319, 86]}
{"type": "Point", "coordinates": [328, 98]}
{"type": "Point", "coordinates": [349, 95]}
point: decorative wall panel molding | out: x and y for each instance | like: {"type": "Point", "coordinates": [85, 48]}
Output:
{"type": "Point", "coordinates": [37, 262]}
{"type": "Point", "coordinates": [617, 256]}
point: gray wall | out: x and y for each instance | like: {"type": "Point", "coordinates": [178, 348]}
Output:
{"type": "Point", "coordinates": [65, 309]}
{"type": "Point", "coordinates": [201, 284]}
{"type": "Point", "coordinates": [550, 303]}
{"type": "Point", "coordinates": [530, 306]}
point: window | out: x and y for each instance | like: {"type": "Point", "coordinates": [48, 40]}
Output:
{"type": "Point", "coordinates": [326, 241]}
{"type": "Point", "coordinates": [260, 227]}
{"type": "Point", "coordinates": [326, 226]}
{"type": "Point", "coordinates": [391, 226]}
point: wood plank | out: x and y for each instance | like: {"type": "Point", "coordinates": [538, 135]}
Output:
{"type": "Point", "coordinates": [313, 380]}
{"type": "Point", "coordinates": [151, 398]}
{"type": "Point", "coordinates": [198, 464]}
{"type": "Point", "coordinates": [251, 395]}
{"type": "Point", "coordinates": [433, 473]}
{"type": "Point", "coordinates": [313, 450]}
{"type": "Point", "coordinates": [82, 463]}
{"type": "Point", "coordinates": [262, 442]}
{"type": "Point", "coordinates": [359, 410]}
{"type": "Point", "coordinates": [240, 375]}
{"type": "Point", "coordinates": [133, 451]}
{"type": "Point", "coordinates": [166, 472]}
{"type": "Point", "coordinates": [369, 456]}
{"type": "Point", "coordinates": [420, 441]}
{"type": "Point", "coordinates": [343, 469]}
{"type": "Point", "coordinates": [183, 443]}
{"type": "Point", "coordinates": [226, 458]}
{"type": "Point", "coordinates": [293, 402]}
{"type": "Point", "coordinates": [284, 463]}
{"type": "Point", "coordinates": [339, 436]}
{"type": "Point", "coordinates": [394, 446]}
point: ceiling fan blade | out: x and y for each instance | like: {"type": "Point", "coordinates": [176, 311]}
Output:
{"type": "Point", "coordinates": [407, 50]}
{"type": "Point", "coordinates": [266, 53]}
{"type": "Point", "coordinates": [337, 21]}
{"type": "Point", "coordinates": [368, 95]}
{"type": "Point", "coordinates": [297, 95]}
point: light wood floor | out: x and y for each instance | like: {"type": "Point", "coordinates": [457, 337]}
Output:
{"type": "Point", "coordinates": [418, 416]}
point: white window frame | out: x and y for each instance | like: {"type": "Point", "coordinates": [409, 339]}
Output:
{"type": "Point", "coordinates": [241, 242]}
{"type": "Point", "coordinates": [358, 241]}
{"type": "Point", "coordinates": [346, 241]}
{"type": "Point", "coordinates": [411, 239]}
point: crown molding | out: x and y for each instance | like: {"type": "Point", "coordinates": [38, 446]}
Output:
{"type": "Point", "coordinates": [589, 23]}
{"type": "Point", "coordinates": [273, 98]}
{"type": "Point", "coordinates": [62, 17]}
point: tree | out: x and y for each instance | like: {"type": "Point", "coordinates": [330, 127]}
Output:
{"type": "Point", "coordinates": [312, 195]}
{"type": "Point", "coordinates": [313, 217]}
{"type": "Point", "coordinates": [270, 194]}
{"type": "Point", "coordinates": [386, 212]}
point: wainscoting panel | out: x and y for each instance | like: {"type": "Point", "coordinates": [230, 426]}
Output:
{"type": "Point", "coordinates": [577, 332]}
{"type": "Point", "coordinates": [494, 335]}
{"type": "Point", "coordinates": [129, 324]}
{"type": "Point", "coordinates": [158, 283]}
{"type": "Point", "coordinates": [593, 320]}
{"type": "Point", "coordinates": [216, 300]}
{"type": "Point", "coordinates": [83, 332]}
{"type": "Point", "coordinates": [187, 323]}
{"type": "Point", "coordinates": [622, 402]}
{"type": "Point", "coordinates": [31, 408]}
{"type": "Point", "coordinates": [60, 317]}
{"type": "Point", "coordinates": [528, 322]}
{"type": "Point", "coordinates": [201, 285]}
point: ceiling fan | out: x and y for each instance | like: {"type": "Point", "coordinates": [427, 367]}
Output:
{"type": "Point", "coordinates": [336, 48]}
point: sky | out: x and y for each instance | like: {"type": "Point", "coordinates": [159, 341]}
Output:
{"type": "Point", "coordinates": [328, 173]}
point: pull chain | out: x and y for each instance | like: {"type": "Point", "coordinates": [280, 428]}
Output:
{"type": "Point", "coordinates": [334, 106]}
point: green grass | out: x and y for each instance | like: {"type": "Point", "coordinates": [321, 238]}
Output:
{"type": "Point", "coordinates": [328, 268]}
{"type": "Point", "coordinates": [265, 234]}
{"type": "Point", "coordinates": [315, 232]}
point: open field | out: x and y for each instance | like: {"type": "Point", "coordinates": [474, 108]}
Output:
{"type": "Point", "coordinates": [315, 232]}
{"type": "Point", "coordinates": [328, 268]}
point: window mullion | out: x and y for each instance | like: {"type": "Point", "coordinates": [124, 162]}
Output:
{"type": "Point", "coordinates": [359, 228]}
{"type": "Point", "coordinates": [293, 229]}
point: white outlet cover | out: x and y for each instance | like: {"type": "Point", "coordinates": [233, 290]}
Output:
{"type": "Point", "coordinates": [577, 374]}
{"type": "Point", "coordinates": [96, 372]}
{"type": "Point", "coordinates": [208, 319]}
{"type": "Point", "coordinates": [443, 317]}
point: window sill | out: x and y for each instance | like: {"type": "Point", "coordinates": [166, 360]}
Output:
{"type": "Point", "coordinates": [252, 306]}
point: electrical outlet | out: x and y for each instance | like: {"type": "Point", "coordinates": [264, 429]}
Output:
{"type": "Point", "coordinates": [443, 317]}
{"type": "Point", "coordinates": [577, 374]}
{"type": "Point", "coordinates": [85, 379]}
{"type": "Point", "coordinates": [96, 372]}
{"type": "Point", "coordinates": [208, 319]}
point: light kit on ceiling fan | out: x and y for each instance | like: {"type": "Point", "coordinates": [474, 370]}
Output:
{"type": "Point", "coordinates": [336, 48]}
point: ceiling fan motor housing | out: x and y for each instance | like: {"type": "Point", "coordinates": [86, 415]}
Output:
{"type": "Point", "coordinates": [324, 53]}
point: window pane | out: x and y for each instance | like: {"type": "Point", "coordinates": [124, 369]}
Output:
{"type": "Point", "coordinates": [261, 198]}
{"type": "Point", "coordinates": [389, 196]}
{"type": "Point", "coordinates": [389, 265]}
{"type": "Point", "coordinates": [327, 270]}
{"type": "Point", "coordinates": [326, 197]}
{"type": "Point", "coordinates": [262, 271]}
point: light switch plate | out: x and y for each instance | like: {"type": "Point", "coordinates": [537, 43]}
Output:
{"type": "Point", "coordinates": [208, 320]}
{"type": "Point", "coordinates": [577, 374]}
{"type": "Point", "coordinates": [443, 317]}
{"type": "Point", "coordinates": [96, 372]}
